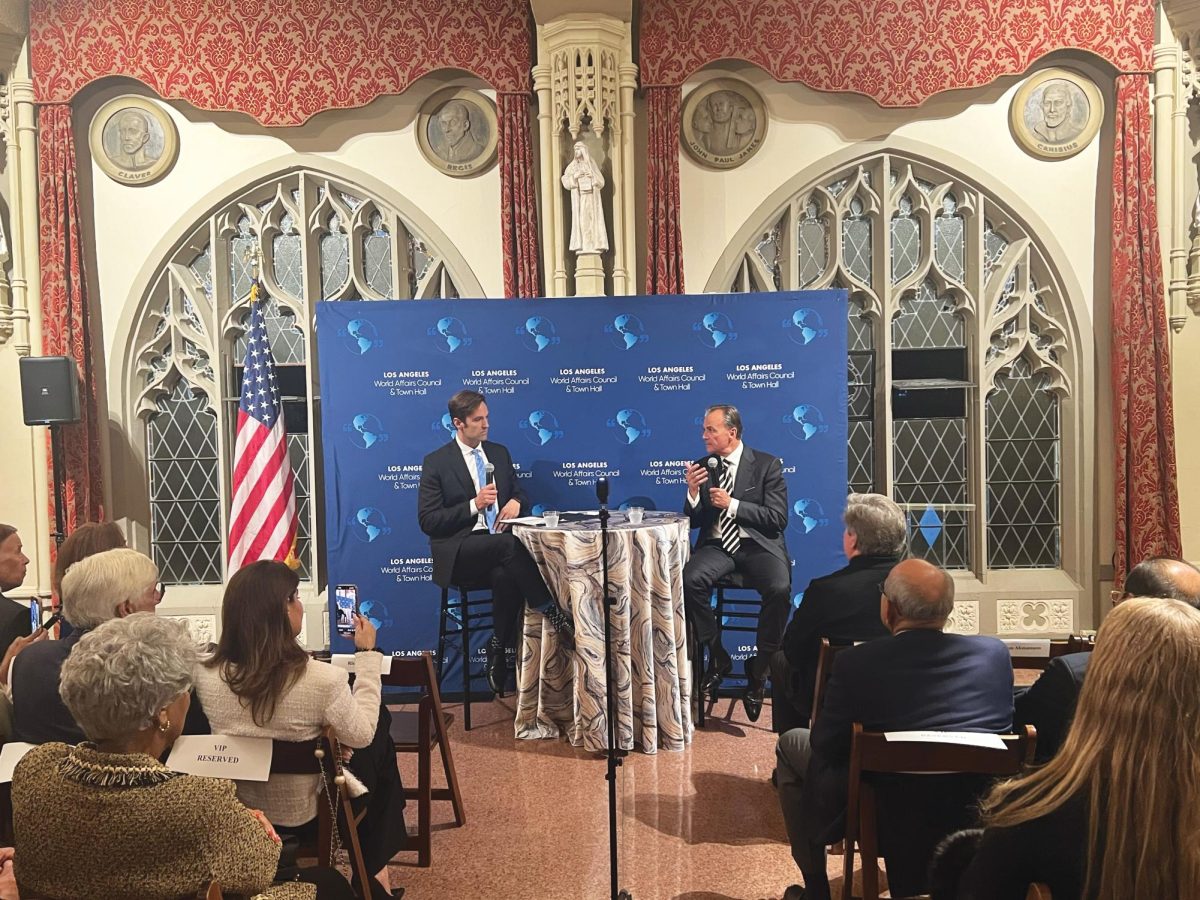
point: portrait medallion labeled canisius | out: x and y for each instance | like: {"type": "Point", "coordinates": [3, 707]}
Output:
{"type": "Point", "coordinates": [1056, 113]}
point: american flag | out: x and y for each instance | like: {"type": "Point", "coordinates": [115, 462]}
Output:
{"type": "Point", "coordinates": [263, 517]}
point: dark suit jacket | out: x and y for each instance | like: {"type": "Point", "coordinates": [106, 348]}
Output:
{"type": "Point", "coordinates": [446, 488]}
{"type": "Point", "coordinates": [14, 622]}
{"type": "Point", "coordinates": [1049, 703]}
{"type": "Point", "coordinates": [761, 492]}
{"type": "Point", "coordinates": [39, 715]}
{"type": "Point", "coordinates": [916, 680]}
{"type": "Point", "coordinates": [842, 606]}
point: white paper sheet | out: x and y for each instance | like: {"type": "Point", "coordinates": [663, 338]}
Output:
{"type": "Point", "coordinates": [222, 756]}
{"type": "Point", "coordinates": [966, 738]}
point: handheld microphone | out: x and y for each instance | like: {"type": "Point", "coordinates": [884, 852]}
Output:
{"type": "Point", "coordinates": [712, 464]}
{"type": "Point", "coordinates": [489, 473]}
{"type": "Point", "coordinates": [602, 489]}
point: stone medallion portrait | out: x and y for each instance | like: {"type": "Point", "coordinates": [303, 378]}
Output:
{"type": "Point", "coordinates": [457, 131]}
{"type": "Point", "coordinates": [1056, 113]}
{"type": "Point", "coordinates": [133, 140]}
{"type": "Point", "coordinates": [724, 122]}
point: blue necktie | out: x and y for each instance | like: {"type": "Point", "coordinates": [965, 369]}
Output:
{"type": "Point", "coordinates": [489, 514]}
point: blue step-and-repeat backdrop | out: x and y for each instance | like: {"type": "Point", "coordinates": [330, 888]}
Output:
{"type": "Point", "coordinates": [576, 389]}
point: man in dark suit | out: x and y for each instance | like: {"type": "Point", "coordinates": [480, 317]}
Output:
{"type": "Point", "coordinates": [1049, 703]}
{"type": "Point", "coordinates": [468, 492]}
{"type": "Point", "coordinates": [842, 606]}
{"type": "Point", "coordinates": [918, 679]}
{"type": "Point", "coordinates": [741, 513]}
{"type": "Point", "coordinates": [14, 616]}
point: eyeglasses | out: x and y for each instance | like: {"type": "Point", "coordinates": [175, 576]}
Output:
{"type": "Point", "coordinates": [882, 588]}
{"type": "Point", "coordinates": [160, 588]}
{"type": "Point", "coordinates": [1116, 597]}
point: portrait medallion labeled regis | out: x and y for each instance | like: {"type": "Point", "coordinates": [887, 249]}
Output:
{"type": "Point", "coordinates": [724, 122]}
{"type": "Point", "coordinates": [133, 140]}
{"type": "Point", "coordinates": [1056, 113]}
{"type": "Point", "coordinates": [457, 131]}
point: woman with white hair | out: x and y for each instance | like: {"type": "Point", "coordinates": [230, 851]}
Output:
{"type": "Point", "coordinates": [137, 829]}
{"type": "Point", "coordinates": [94, 590]}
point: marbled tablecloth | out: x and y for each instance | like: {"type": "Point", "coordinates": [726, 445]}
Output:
{"type": "Point", "coordinates": [558, 691]}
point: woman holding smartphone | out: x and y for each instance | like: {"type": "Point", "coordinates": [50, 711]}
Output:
{"type": "Point", "coordinates": [260, 682]}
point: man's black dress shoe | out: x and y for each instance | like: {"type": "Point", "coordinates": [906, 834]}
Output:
{"type": "Point", "coordinates": [795, 892]}
{"type": "Point", "coordinates": [756, 684]}
{"type": "Point", "coordinates": [718, 668]}
{"type": "Point", "coordinates": [562, 623]}
{"type": "Point", "coordinates": [495, 669]}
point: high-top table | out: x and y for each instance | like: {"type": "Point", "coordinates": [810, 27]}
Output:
{"type": "Point", "coordinates": [560, 692]}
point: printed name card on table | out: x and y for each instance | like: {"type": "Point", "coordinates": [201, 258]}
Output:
{"type": "Point", "coordinates": [1024, 649]}
{"type": "Point", "coordinates": [222, 756]}
{"type": "Point", "coordinates": [10, 755]}
{"type": "Point", "coordinates": [346, 661]}
{"type": "Point", "coordinates": [966, 738]}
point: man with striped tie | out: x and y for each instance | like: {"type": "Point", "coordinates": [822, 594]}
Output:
{"type": "Point", "coordinates": [468, 492]}
{"type": "Point", "coordinates": [738, 499]}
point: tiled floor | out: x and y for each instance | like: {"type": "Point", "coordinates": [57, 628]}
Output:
{"type": "Point", "coordinates": [699, 825]}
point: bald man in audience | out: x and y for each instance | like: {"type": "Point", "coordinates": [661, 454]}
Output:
{"type": "Point", "coordinates": [919, 678]}
{"type": "Point", "coordinates": [1049, 703]}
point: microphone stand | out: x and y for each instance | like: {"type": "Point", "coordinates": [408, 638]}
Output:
{"type": "Point", "coordinates": [614, 762]}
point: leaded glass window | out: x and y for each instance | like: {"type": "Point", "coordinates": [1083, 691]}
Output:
{"type": "Point", "coordinates": [958, 305]}
{"type": "Point", "coordinates": [191, 341]}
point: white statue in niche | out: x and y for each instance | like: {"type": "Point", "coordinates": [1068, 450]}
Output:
{"type": "Point", "coordinates": [584, 180]}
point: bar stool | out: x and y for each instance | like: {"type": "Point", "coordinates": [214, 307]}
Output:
{"type": "Point", "coordinates": [466, 608]}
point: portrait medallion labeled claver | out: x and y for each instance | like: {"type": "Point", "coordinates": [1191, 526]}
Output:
{"type": "Point", "coordinates": [457, 131]}
{"type": "Point", "coordinates": [133, 140]}
{"type": "Point", "coordinates": [1056, 113]}
{"type": "Point", "coordinates": [724, 122]}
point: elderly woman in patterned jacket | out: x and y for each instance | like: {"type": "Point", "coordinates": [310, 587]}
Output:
{"type": "Point", "coordinates": [138, 830]}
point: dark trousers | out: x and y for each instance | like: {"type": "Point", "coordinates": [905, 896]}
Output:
{"type": "Point", "coordinates": [791, 695]}
{"type": "Point", "coordinates": [502, 561]}
{"type": "Point", "coordinates": [762, 570]}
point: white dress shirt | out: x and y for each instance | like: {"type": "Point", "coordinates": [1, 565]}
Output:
{"type": "Point", "coordinates": [732, 461]}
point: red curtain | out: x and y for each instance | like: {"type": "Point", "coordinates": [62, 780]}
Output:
{"type": "Point", "coordinates": [518, 199]}
{"type": "Point", "coordinates": [664, 240]}
{"type": "Point", "coordinates": [65, 319]}
{"type": "Point", "coordinates": [1147, 499]}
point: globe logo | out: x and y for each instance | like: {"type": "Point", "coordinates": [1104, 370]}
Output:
{"type": "Point", "coordinates": [805, 422]}
{"type": "Point", "coordinates": [809, 515]}
{"type": "Point", "coordinates": [360, 336]}
{"type": "Point", "coordinates": [805, 326]}
{"type": "Point", "coordinates": [365, 431]}
{"type": "Point", "coordinates": [797, 600]}
{"type": "Point", "coordinates": [627, 331]}
{"type": "Point", "coordinates": [644, 502]}
{"type": "Point", "coordinates": [376, 613]}
{"type": "Point", "coordinates": [444, 425]}
{"type": "Point", "coordinates": [715, 330]}
{"type": "Point", "coordinates": [628, 425]}
{"type": "Point", "coordinates": [450, 334]}
{"type": "Point", "coordinates": [540, 427]}
{"type": "Point", "coordinates": [369, 524]}
{"type": "Point", "coordinates": [537, 509]}
{"type": "Point", "coordinates": [538, 333]}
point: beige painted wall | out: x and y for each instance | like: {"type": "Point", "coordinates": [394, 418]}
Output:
{"type": "Point", "coordinates": [1186, 357]}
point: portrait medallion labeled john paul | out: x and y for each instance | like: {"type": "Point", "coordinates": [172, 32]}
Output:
{"type": "Point", "coordinates": [1056, 113]}
{"type": "Point", "coordinates": [724, 122]}
{"type": "Point", "coordinates": [133, 140]}
{"type": "Point", "coordinates": [457, 131]}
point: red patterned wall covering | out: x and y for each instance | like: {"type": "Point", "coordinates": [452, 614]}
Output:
{"type": "Point", "coordinates": [899, 52]}
{"type": "Point", "coordinates": [280, 61]}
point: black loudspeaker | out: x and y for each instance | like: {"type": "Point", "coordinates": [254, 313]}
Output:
{"type": "Point", "coordinates": [49, 390]}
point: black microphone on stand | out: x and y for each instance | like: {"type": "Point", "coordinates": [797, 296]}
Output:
{"type": "Point", "coordinates": [610, 706]}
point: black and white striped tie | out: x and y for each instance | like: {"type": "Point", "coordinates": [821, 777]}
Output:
{"type": "Point", "coordinates": [726, 524]}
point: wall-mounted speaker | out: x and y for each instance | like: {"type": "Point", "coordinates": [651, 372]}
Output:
{"type": "Point", "coordinates": [49, 390]}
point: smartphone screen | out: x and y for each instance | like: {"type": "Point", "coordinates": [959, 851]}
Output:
{"type": "Point", "coordinates": [35, 615]}
{"type": "Point", "coordinates": [346, 600]}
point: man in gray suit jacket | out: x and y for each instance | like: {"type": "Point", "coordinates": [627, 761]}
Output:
{"type": "Point", "coordinates": [738, 499]}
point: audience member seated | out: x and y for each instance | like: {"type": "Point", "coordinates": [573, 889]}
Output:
{"type": "Point", "coordinates": [260, 682]}
{"type": "Point", "coordinates": [1049, 703]}
{"type": "Point", "coordinates": [1114, 816]}
{"type": "Point", "coordinates": [107, 819]}
{"type": "Point", "coordinates": [105, 586]}
{"type": "Point", "coordinates": [920, 678]}
{"type": "Point", "coordinates": [842, 606]}
{"type": "Point", "coordinates": [14, 616]}
{"type": "Point", "coordinates": [86, 540]}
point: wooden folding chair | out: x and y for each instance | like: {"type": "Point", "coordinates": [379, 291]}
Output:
{"type": "Point", "coordinates": [872, 752]}
{"type": "Point", "coordinates": [419, 732]}
{"type": "Point", "coordinates": [824, 671]}
{"type": "Point", "coordinates": [317, 756]}
{"type": "Point", "coordinates": [210, 891]}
